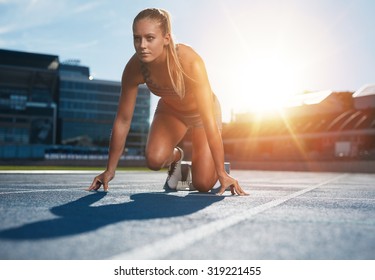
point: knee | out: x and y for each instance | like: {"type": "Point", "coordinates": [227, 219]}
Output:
{"type": "Point", "coordinates": [203, 184]}
{"type": "Point", "coordinates": [154, 162]}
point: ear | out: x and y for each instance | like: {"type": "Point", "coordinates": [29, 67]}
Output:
{"type": "Point", "coordinates": [167, 39]}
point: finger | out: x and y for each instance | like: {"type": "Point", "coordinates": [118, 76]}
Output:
{"type": "Point", "coordinates": [232, 189]}
{"type": "Point", "coordinates": [105, 186]}
{"type": "Point", "coordinates": [221, 191]}
{"type": "Point", "coordinates": [91, 186]}
{"type": "Point", "coordinates": [98, 184]}
{"type": "Point", "coordinates": [95, 185]}
{"type": "Point", "coordinates": [240, 191]}
{"type": "Point", "coordinates": [235, 188]}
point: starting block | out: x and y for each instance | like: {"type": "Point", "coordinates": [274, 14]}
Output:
{"type": "Point", "coordinates": [186, 183]}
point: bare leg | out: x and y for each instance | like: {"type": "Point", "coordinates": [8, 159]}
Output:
{"type": "Point", "coordinates": [204, 174]}
{"type": "Point", "coordinates": [165, 133]}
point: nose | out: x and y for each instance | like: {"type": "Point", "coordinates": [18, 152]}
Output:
{"type": "Point", "coordinates": [142, 45]}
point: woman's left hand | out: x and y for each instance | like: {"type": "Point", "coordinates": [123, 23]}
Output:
{"type": "Point", "coordinates": [229, 181]}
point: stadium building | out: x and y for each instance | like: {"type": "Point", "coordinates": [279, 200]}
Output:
{"type": "Point", "coordinates": [52, 108]}
{"type": "Point", "coordinates": [28, 98]}
{"type": "Point", "coordinates": [326, 127]}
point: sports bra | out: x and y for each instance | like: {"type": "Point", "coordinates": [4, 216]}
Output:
{"type": "Point", "coordinates": [162, 92]}
{"type": "Point", "coordinates": [156, 89]}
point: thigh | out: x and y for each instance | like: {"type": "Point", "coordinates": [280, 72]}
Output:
{"type": "Point", "coordinates": [165, 133]}
{"type": "Point", "coordinates": [203, 167]}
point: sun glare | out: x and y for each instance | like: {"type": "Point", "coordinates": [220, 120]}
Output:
{"type": "Point", "coordinates": [261, 83]}
{"type": "Point", "coordinates": [269, 65]}
{"type": "Point", "coordinates": [271, 81]}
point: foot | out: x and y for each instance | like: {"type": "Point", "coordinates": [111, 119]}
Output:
{"type": "Point", "coordinates": [174, 173]}
{"type": "Point", "coordinates": [186, 183]}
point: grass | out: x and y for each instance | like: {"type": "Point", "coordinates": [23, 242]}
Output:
{"type": "Point", "coordinates": [84, 168]}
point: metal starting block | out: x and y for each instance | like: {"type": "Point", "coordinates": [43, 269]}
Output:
{"type": "Point", "coordinates": [186, 183]}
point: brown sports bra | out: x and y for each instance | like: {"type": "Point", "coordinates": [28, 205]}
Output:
{"type": "Point", "coordinates": [156, 89]}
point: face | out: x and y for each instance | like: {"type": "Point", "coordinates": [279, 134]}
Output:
{"type": "Point", "coordinates": [149, 41]}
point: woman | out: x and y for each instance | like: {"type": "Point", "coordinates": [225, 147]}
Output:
{"type": "Point", "coordinates": [178, 75]}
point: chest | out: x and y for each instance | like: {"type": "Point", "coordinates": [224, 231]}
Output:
{"type": "Point", "coordinates": [158, 78]}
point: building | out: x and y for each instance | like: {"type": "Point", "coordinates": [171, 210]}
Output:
{"type": "Point", "coordinates": [87, 108]}
{"type": "Point", "coordinates": [325, 126]}
{"type": "Point", "coordinates": [28, 98]}
{"type": "Point", "coordinates": [52, 107]}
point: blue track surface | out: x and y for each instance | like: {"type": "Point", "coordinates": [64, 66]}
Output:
{"type": "Point", "coordinates": [288, 215]}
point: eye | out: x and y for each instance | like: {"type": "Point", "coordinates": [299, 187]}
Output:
{"type": "Point", "coordinates": [136, 39]}
{"type": "Point", "coordinates": [150, 38]}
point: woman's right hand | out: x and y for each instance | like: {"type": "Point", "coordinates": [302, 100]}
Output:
{"type": "Point", "coordinates": [102, 179]}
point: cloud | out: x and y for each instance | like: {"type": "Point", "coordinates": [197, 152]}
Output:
{"type": "Point", "coordinates": [23, 15]}
{"type": "Point", "coordinates": [7, 28]}
{"type": "Point", "coordinates": [86, 7]}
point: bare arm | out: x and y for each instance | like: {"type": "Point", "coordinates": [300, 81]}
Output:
{"type": "Point", "coordinates": [203, 95]}
{"type": "Point", "coordinates": [121, 126]}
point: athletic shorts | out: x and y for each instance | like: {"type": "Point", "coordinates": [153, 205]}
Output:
{"type": "Point", "coordinates": [192, 118]}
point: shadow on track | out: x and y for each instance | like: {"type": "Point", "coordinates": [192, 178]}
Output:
{"type": "Point", "coordinates": [78, 216]}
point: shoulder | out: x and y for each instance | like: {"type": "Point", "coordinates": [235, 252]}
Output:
{"type": "Point", "coordinates": [187, 55]}
{"type": "Point", "coordinates": [190, 60]}
{"type": "Point", "coordinates": [132, 72]}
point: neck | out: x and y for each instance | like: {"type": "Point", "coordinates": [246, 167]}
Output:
{"type": "Point", "coordinates": [159, 61]}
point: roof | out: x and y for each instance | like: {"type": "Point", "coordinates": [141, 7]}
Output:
{"type": "Point", "coordinates": [25, 59]}
{"type": "Point", "coordinates": [365, 90]}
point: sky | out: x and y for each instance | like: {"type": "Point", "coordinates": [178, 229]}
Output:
{"type": "Point", "coordinates": [257, 53]}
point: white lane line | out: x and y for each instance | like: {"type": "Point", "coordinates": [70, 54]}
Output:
{"type": "Point", "coordinates": [163, 247]}
{"type": "Point", "coordinates": [42, 190]}
{"type": "Point", "coordinates": [48, 172]}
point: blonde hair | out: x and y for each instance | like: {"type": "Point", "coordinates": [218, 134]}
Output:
{"type": "Point", "coordinates": [175, 70]}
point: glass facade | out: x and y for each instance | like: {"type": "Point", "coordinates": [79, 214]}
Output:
{"type": "Point", "coordinates": [47, 103]}
{"type": "Point", "coordinates": [28, 98]}
{"type": "Point", "coordinates": [87, 109]}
